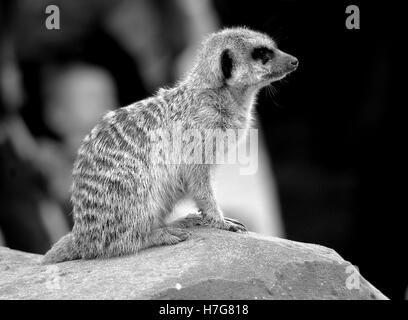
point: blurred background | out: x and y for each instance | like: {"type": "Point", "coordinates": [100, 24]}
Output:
{"type": "Point", "coordinates": [329, 138]}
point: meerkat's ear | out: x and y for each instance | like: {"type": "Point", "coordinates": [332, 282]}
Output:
{"type": "Point", "coordinates": [227, 63]}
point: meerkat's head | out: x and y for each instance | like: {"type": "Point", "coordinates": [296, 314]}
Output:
{"type": "Point", "coordinates": [241, 58]}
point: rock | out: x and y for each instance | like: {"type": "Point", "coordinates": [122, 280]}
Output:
{"type": "Point", "coordinates": [212, 264]}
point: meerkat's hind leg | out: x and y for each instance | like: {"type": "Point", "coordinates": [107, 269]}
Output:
{"type": "Point", "coordinates": [166, 236]}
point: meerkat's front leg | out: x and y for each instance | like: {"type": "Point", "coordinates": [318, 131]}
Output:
{"type": "Point", "coordinates": [203, 193]}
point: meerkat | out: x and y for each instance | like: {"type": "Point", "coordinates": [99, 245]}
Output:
{"type": "Point", "coordinates": [120, 197]}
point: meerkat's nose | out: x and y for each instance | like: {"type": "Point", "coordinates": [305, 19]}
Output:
{"type": "Point", "coordinates": [294, 62]}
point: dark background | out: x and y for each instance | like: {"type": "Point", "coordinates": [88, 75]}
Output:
{"type": "Point", "coordinates": [336, 142]}
{"type": "Point", "coordinates": [334, 129]}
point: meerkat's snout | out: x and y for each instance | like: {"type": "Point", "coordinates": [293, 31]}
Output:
{"type": "Point", "coordinates": [282, 65]}
{"type": "Point", "coordinates": [291, 63]}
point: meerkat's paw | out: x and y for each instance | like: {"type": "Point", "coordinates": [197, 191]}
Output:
{"type": "Point", "coordinates": [193, 220]}
{"type": "Point", "coordinates": [167, 236]}
{"type": "Point", "coordinates": [180, 233]}
{"type": "Point", "coordinates": [227, 224]}
{"type": "Point", "coordinates": [188, 221]}
{"type": "Point", "coordinates": [172, 235]}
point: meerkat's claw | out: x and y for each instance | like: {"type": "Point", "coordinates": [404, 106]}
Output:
{"type": "Point", "coordinates": [234, 225]}
{"type": "Point", "coordinates": [193, 220]}
{"type": "Point", "coordinates": [226, 224]}
{"type": "Point", "coordinates": [241, 227]}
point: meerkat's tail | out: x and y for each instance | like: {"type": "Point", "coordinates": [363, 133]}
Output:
{"type": "Point", "coordinates": [63, 250]}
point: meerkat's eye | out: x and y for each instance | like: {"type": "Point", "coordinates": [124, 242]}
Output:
{"type": "Point", "coordinates": [226, 63]}
{"type": "Point", "coordinates": [262, 53]}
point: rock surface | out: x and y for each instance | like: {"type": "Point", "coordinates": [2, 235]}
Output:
{"type": "Point", "coordinates": [212, 264]}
